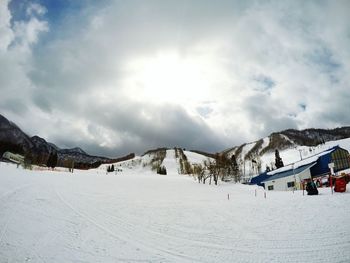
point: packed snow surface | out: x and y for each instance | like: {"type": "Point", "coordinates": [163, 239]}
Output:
{"type": "Point", "coordinates": [170, 162]}
{"type": "Point", "coordinates": [137, 216]}
{"type": "Point", "coordinates": [195, 158]}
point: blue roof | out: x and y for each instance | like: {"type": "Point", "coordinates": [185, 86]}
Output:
{"type": "Point", "coordinates": [258, 179]}
{"type": "Point", "coordinates": [318, 164]}
{"type": "Point", "coordinates": [290, 172]}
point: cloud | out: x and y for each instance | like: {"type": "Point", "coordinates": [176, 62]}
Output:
{"type": "Point", "coordinates": [16, 41]}
{"type": "Point", "coordinates": [124, 76]}
{"type": "Point", "coordinates": [35, 9]}
{"type": "Point", "coordinates": [6, 33]}
{"type": "Point", "coordinates": [133, 127]}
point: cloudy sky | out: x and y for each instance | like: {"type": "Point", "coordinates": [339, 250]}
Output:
{"type": "Point", "coordinates": [124, 76]}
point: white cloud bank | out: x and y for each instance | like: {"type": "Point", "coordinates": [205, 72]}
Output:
{"type": "Point", "coordinates": [126, 76]}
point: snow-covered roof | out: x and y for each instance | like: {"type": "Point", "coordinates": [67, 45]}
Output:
{"type": "Point", "coordinates": [303, 162]}
{"type": "Point", "coordinates": [290, 172]}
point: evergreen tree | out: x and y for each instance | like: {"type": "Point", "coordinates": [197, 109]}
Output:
{"type": "Point", "coordinates": [161, 170]}
{"type": "Point", "coordinates": [278, 160]}
{"type": "Point", "coordinates": [48, 163]}
{"type": "Point", "coordinates": [234, 161]}
{"type": "Point", "coordinates": [234, 168]}
{"type": "Point", "coordinates": [52, 161]}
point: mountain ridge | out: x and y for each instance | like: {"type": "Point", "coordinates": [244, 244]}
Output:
{"type": "Point", "coordinates": [255, 157]}
{"type": "Point", "coordinates": [292, 137]}
{"type": "Point", "coordinates": [12, 138]}
{"type": "Point", "coordinates": [38, 151]}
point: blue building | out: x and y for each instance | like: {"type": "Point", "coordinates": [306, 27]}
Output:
{"type": "Point", "coordinates": [291, 176]}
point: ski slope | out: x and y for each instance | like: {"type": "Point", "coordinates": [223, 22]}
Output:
{"type": "Point", "coordinates": [171, 163]}
{"type": "Point", "coordinates": [138, 216]}
{"type": "Point", "coordinates": [196, 158]}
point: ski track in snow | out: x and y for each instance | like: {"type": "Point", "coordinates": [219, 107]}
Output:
{"type": "Point", "coordinates": [124, 233]}
{"type": "Point", "coordinates": [15, 193]}
{"type": "Point", "coordinates": [4, 228]}
{"type": "Point", "coordinates": [7, 195]}
{"type": "Point", "coordinates": [130, 217]}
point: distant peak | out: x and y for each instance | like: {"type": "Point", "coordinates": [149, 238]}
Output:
{"type": "Point", "coordinates": [76, 149]}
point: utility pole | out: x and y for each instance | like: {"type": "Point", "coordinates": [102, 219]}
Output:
{"type": "Point", "coordinates": [301, 157]}
{"type": "Point", "coordinates": [295, 180]}
{"type": "Point", "coordinates": [331, 167]}
{"type": "Point", "coordinates": [244, 168]}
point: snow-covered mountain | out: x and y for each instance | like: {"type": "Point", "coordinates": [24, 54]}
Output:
{"type": "Point", "coordinates": [252, 158]}
{"type": "Point", "coordinates": [171, 159]}
{"type": "Point", "coordinates": [293, 145]}
{"type": "Point", "coordinates": [13, 139]}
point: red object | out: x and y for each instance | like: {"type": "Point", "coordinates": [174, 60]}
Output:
{"type": "Point", "coordinates": [340, 185]}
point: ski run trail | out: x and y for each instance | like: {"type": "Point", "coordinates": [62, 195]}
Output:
{"type": "Point", "coordinates": [170, 162]}
{"type": "Point", "coordinates": [138, 216]}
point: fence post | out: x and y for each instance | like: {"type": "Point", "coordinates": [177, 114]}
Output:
{"type": "Point", "coordinates": [303, 186]}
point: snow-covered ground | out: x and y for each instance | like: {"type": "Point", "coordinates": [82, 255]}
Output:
{"type": "Point", "coordinates": [195, 158]}
{"type": "Point", "coordinates": [138, 216]}
{"type": "Point", "coordinates": [170, 162]}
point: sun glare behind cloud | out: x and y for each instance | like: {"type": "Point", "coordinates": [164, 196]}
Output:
{"type": "Point", "coordinates": [168, 78]}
